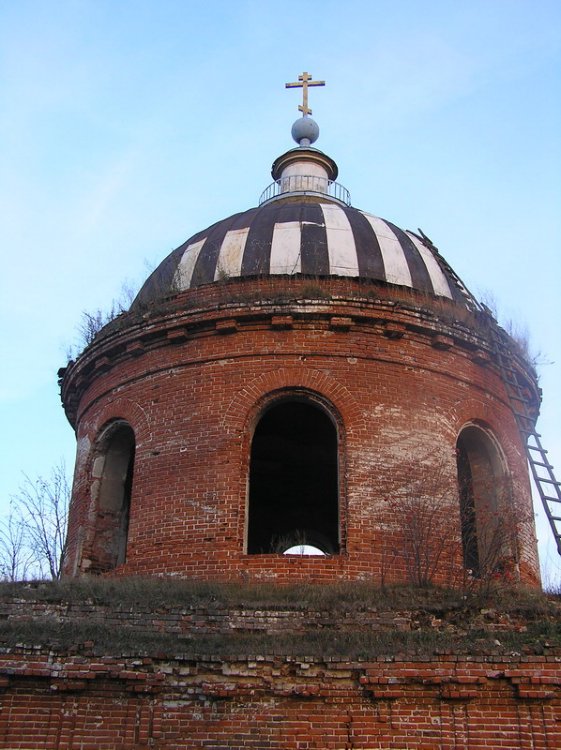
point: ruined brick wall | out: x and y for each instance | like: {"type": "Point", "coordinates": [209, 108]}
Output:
{"type": "Point", "coordinates": [400, 377]}
{"type": "Point", "coordinates": [61, 701]}
{"type": "Point", "coordinates": [227, 675]}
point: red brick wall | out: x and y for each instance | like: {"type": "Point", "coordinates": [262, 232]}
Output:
{"type": "Point", "coordinates": [68, 702]}
{"type": "Point", "coordinates": [400, 376]}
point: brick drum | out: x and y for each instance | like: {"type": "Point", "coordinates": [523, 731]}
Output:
{"type": "Point", "coordinates": [302, 373]}
{"type": "Point", "coordinates": [399, 375]}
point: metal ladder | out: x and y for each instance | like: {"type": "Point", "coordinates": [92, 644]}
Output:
{"type": "Point", "coordinates": [549, 489]}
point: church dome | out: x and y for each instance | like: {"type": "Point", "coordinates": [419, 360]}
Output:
{"type": "Point", "coordinates": [305, 225]}
{"type": "Point", "coordinates": [304, 234]}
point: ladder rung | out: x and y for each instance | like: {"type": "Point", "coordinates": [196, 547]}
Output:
{"type": "Point", "coordinates": [549, 481]}
{"type": "Point", "coordinates": [514, 383]}
{"type": "Point", "coordinates": [536, 448]}
{"type": "Point", "coordinates": [555, 518]}
{"type": "Point", "coordinates": [540, 463]}
{"type": "Point", "coordinates": [551, 499]}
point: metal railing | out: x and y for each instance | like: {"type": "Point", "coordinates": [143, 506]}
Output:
{"type": "Point", "coordinates": [300, 184]}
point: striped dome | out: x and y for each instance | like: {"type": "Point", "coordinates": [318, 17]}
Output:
{"type": "Point", "coordinates": [317, 238]}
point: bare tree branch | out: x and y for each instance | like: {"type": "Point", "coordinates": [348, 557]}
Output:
{"type": "Point", "coordinates": [34, 541]}
{"type": "Point", "coordinates": [15, 556]}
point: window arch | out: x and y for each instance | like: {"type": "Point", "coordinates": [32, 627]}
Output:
{"type": "Point", "coordinates": [483, 487]}
{"type": "Point", "coordinates": [293, 480]}
{"type": "Point", "coordinates": [112, 479]}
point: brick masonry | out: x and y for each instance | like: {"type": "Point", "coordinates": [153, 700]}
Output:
{"type": "Point", "coordinates": [50, 701]}
{"type": "Point", "coordinates": [82, 697]}
{"type": "Point", "coordinates": [262, 702]}
{"type": "Point", "coordinates": [400, 374]}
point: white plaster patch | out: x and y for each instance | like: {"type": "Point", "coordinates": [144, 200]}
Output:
{"type": "Point", "coordinates": [231, 254]}
{"type": "Point", "coordinates": [438, 279]}
{"type": "Point", "coordinates": [83, 447]}
{"type": "Point", "coordinates": [184, 272]}
{"type": "Point", "coordinates": [341, 246]}
{"type": "Point", "coordinates": [285, 248]}
{"type": "Point", "coordinates": [395, 263]}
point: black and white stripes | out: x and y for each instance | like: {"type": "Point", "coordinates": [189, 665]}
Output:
{"type": "Point", "coordinates": [319, 239]}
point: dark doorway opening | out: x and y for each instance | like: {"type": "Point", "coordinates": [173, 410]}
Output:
{"type": "Point", "coordinates": [112, 483]}
{"type": "Point", "coordinates": [482, 485]}
{"type": "Point", "coordinates": [293, 481]}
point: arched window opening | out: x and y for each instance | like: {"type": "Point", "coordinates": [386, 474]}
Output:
{"type": "Point", "coordinates": [112, 488]}
{"type": "Point", "coordinates": [293, 482]}
{"type": "Point", "coordinates": [482, 484]}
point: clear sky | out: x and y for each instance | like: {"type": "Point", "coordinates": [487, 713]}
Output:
{"type": "Point", "coordinates": [127, 126]}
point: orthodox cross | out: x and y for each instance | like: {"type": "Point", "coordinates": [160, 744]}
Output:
{"type": "Point", "coordinates": [303, 82]}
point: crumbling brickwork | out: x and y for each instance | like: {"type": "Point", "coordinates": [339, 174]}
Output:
{"type": "Point", "coordinates": [61, 702]}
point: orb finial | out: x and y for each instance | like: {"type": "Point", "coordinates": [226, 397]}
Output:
{"type": "Point", "coordinates": [305, 131]}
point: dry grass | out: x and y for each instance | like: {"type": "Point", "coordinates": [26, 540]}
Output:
{"type": "Point", "coordinates": [465, 619]}
{"type": "Point", "coordinates": [344, 596]}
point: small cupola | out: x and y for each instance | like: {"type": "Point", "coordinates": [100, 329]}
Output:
{"type": "Point", "coordinates": [305, 170]}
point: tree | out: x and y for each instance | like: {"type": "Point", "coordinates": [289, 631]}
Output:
{"type": "Point", "coordinates": [425, 535]}
{"type": "Point", "coordinates": [33, 537]}
{"type": "Point", "coordinates": [15, 556]}
{"type": "Point", "coordinates": [443, 530]}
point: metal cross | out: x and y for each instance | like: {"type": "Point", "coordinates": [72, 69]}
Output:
{"type": "Point", "coordinates": [303, 82]}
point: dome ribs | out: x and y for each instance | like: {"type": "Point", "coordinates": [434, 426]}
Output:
{"type": "Point", "coordinates": [205, 267]}
{"type": "Point", "coordinates": [420, 277]}
{"type": "Point", "coordinates": [313, 243]}
{"type": "Point", "coordinates": [316, 239]}
{"type": "Point", "coordinates": [232, 247]}
{"type": "Point", "coordinates": [257, 253]}
{"type": "Point", "coordinates": [160, 283]}
{"type": "Point", "coordinates": [440, 282]}
{"type": "Point", "coordinates": [340, 242]}
{"type": "Point", "coordinates": [368, 252]}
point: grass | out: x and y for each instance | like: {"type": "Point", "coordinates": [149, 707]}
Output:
{"type": "Point", "coordinates": [344, 596]}
{"type": "Point", "coordinates": [88, 638]}
{"type": "Point", "coordinates": [441, 619]}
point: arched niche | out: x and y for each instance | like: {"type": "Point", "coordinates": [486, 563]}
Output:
{"type": "Point", "coordinates": [484, 486]}
{"type": "Point", "coordinates": [293, 479]}
{"type": "Point", "coordinates": [111, 488]}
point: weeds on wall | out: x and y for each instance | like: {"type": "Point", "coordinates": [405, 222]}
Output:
{"type": "Point", "coordinates": [435, 537]}
{"type": "Point", "coordinates": [91, 323]}
{"type": "Point", "coordinates": [518, 332]}
{"type": "Point", "coordinates": [153, 616]}
{"type": "Point", "coordinates": [425, 535]}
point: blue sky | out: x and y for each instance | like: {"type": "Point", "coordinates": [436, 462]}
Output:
{"type": "Point", "coordinates": [126, 127]}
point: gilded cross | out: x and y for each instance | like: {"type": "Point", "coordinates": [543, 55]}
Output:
{"type": "Point", "coordinates": [303, 82]}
